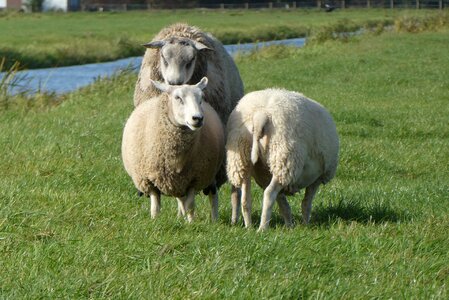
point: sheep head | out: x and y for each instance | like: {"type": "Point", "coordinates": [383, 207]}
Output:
{"type": "Point", "coordinates": [185, 103]}
{"type": "Point", "coordinates": [178, 57]}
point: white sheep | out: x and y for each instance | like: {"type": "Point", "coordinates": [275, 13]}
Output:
{"type": "Point", "coordinates": [174, 145]}
{"type": "Point", "coordinates": [287, 142]}
{"type": "Point", "coordinates": [183, 54]}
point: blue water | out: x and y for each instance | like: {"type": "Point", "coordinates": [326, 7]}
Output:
{"type": "Point", "coordinates": [66, 79]}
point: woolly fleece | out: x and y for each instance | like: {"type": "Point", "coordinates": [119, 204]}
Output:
{"type": "Point", "coordinates": [161, 156]}
{"type": "Point", "coordinates": [297, 140]}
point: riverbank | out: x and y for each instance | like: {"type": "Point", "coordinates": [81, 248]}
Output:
{"type": "Point", "coordinates": [63, 39]}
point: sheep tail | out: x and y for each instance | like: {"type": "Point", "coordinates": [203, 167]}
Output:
{"type": "Point", "coordinates": [259, 120]}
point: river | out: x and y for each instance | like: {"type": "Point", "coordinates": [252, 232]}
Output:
{"type": "Point", "coordinates": [67, 79]}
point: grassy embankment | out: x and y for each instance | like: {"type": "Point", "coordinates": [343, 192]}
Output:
{"type": "Point", "coordinates": [72, 226]}
{"type": "Point", "coordinates": [44, 40]}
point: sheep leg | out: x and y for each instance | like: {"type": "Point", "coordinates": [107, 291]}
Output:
{"type": "Point", "coordinates": [181, 211]}
{"type": "Point", "coordinates": [285, 209]}
{"type": "Point", "coordinates": [189, 204]}
{"type": "Point", "coordinates": [306, 204]}
{"type": "Point", "coordinates": [213, 199]}
{"type": "Point", "coordinates": [235, 203]}
{"type": "Point", "coordinates": [155, 204]}
{"type": "Point", "coordinates": [269, 197]}
{"type": "Point", "coordinates": [246, 202]}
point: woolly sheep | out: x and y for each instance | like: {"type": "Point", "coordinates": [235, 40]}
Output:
{"type": "Point", "coordinates": [287, 142]}
{"type": "Point", "coordinates": [174, 145]}
{"type": "Point", "coordinates": [183, 54]}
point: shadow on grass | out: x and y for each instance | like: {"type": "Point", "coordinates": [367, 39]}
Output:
{"type": "Point", "coordinates": [327, 214]}
{"type": "Point", "coordinates": [343, 210]}
{"type": "Point", "coordinates": [355, 212]}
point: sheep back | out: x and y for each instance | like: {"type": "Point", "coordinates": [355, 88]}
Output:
{"type": "Point", "coordinates": [159, 155]}
{"type": "Point", "coordinates": [298, 131]}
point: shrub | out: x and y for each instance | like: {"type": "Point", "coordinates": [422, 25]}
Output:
{"type": "Point", "coordinates": [415, 24]}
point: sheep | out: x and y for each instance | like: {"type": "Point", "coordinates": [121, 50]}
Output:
{"type": "Point", "coordinates": [183, 54]}
{"type": "Point", "coordinates": [287, 142]}
{"type": "Point", "coordinates": [174, 144]}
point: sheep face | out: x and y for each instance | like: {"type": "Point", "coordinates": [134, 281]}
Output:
{"type": "Point", "coordinates": [185, 102]}
{"type": "Point", "coordinates": [178, 57]}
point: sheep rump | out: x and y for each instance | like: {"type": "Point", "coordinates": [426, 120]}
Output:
{"type": "Point", "coordinates": [285, 141]}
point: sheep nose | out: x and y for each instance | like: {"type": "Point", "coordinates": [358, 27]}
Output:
{"type": "Point", "coordinates": [198, 120]}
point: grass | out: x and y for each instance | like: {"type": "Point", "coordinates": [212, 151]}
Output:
{"type": "Point", "coordinates": [60, 39]}
{"type": "Point", "coordinates": [71, 225]}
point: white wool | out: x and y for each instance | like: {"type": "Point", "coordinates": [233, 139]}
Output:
{"type": "Point", "coordinates": [281, 138]}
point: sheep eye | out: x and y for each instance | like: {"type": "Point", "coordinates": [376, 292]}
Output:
{"type": "Point", "coordinates": [177, 98]}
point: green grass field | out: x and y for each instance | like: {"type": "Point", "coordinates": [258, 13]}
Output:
{"type": "Point", "coordinates": [43, 40]}
{"type": "Point", "coordinates": [71, 225]}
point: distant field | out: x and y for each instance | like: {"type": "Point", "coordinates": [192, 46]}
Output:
{"type": "Point", "coordinates": [43, 40]}
{"type": "Point", "coordinates": [71, 225]}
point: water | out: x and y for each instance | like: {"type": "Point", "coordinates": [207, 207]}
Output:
{"type": "Point", "coordinates": [66, 79]}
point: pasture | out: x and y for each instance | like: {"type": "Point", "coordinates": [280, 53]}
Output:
{"type": "Point", "coordinates": [58, 39]}
{"type": "Point", "coordinates": [72, 226]}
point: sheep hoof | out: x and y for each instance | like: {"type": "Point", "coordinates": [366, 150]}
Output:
{"type": "Point", "coordinates": [262, 228]}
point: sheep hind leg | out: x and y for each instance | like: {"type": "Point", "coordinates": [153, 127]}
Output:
{"type": "Point", "coordinates": [285, 209]}
{"type": "Point", "coordinates": [246, 202]}
{"type": "Point", "coordinates": [269, 197]}
{"type": "Point", "coordinates": [306, 204]}
{"type": "Point", "coordinates": [155, 204]}
{"type": "Point", "coordinates": [236, 204]}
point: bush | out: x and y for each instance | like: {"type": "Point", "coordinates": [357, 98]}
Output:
{"type": "Point", "coordinates": [415, 24]}
{"type": "Point", "coordinates": [35, 5]}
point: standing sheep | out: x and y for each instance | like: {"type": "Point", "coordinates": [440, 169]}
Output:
{"type": "Point", "coordinates": [183, 54]}
{"type": "Point", "coordinates": [286, 142]}
{"type": "Point", "coordinates": [174, 144]}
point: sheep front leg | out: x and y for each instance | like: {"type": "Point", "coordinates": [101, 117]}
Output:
{"type": "Point", "coordinates": [235, 203]}
{"type": "Point", "coordinates": [306, 204]}
{"type": "Point", "coordinates": [188, 203]}
{"type": "Point", "coordinates": [285, 209]}
{"type": "Point", "coordinates": [181, 211]}
{"type": "Point", "coordinates": [269, 197]}
{"type": "Point", "coordinates": [213, 199]}
{"type": "Point", "coordinates": [246, 201]}
{"type": "Point", "coordinates": [155, 204]}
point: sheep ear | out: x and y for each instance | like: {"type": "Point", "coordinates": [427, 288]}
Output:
{"type": "Point", "coordinates": [203, 83]}
{"type": "Point", "coordinates": [160, 86]}
{"type": "Point", "coordinates": [200, 46]}
{"type": "Point", "coordinates": [154, 44]}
